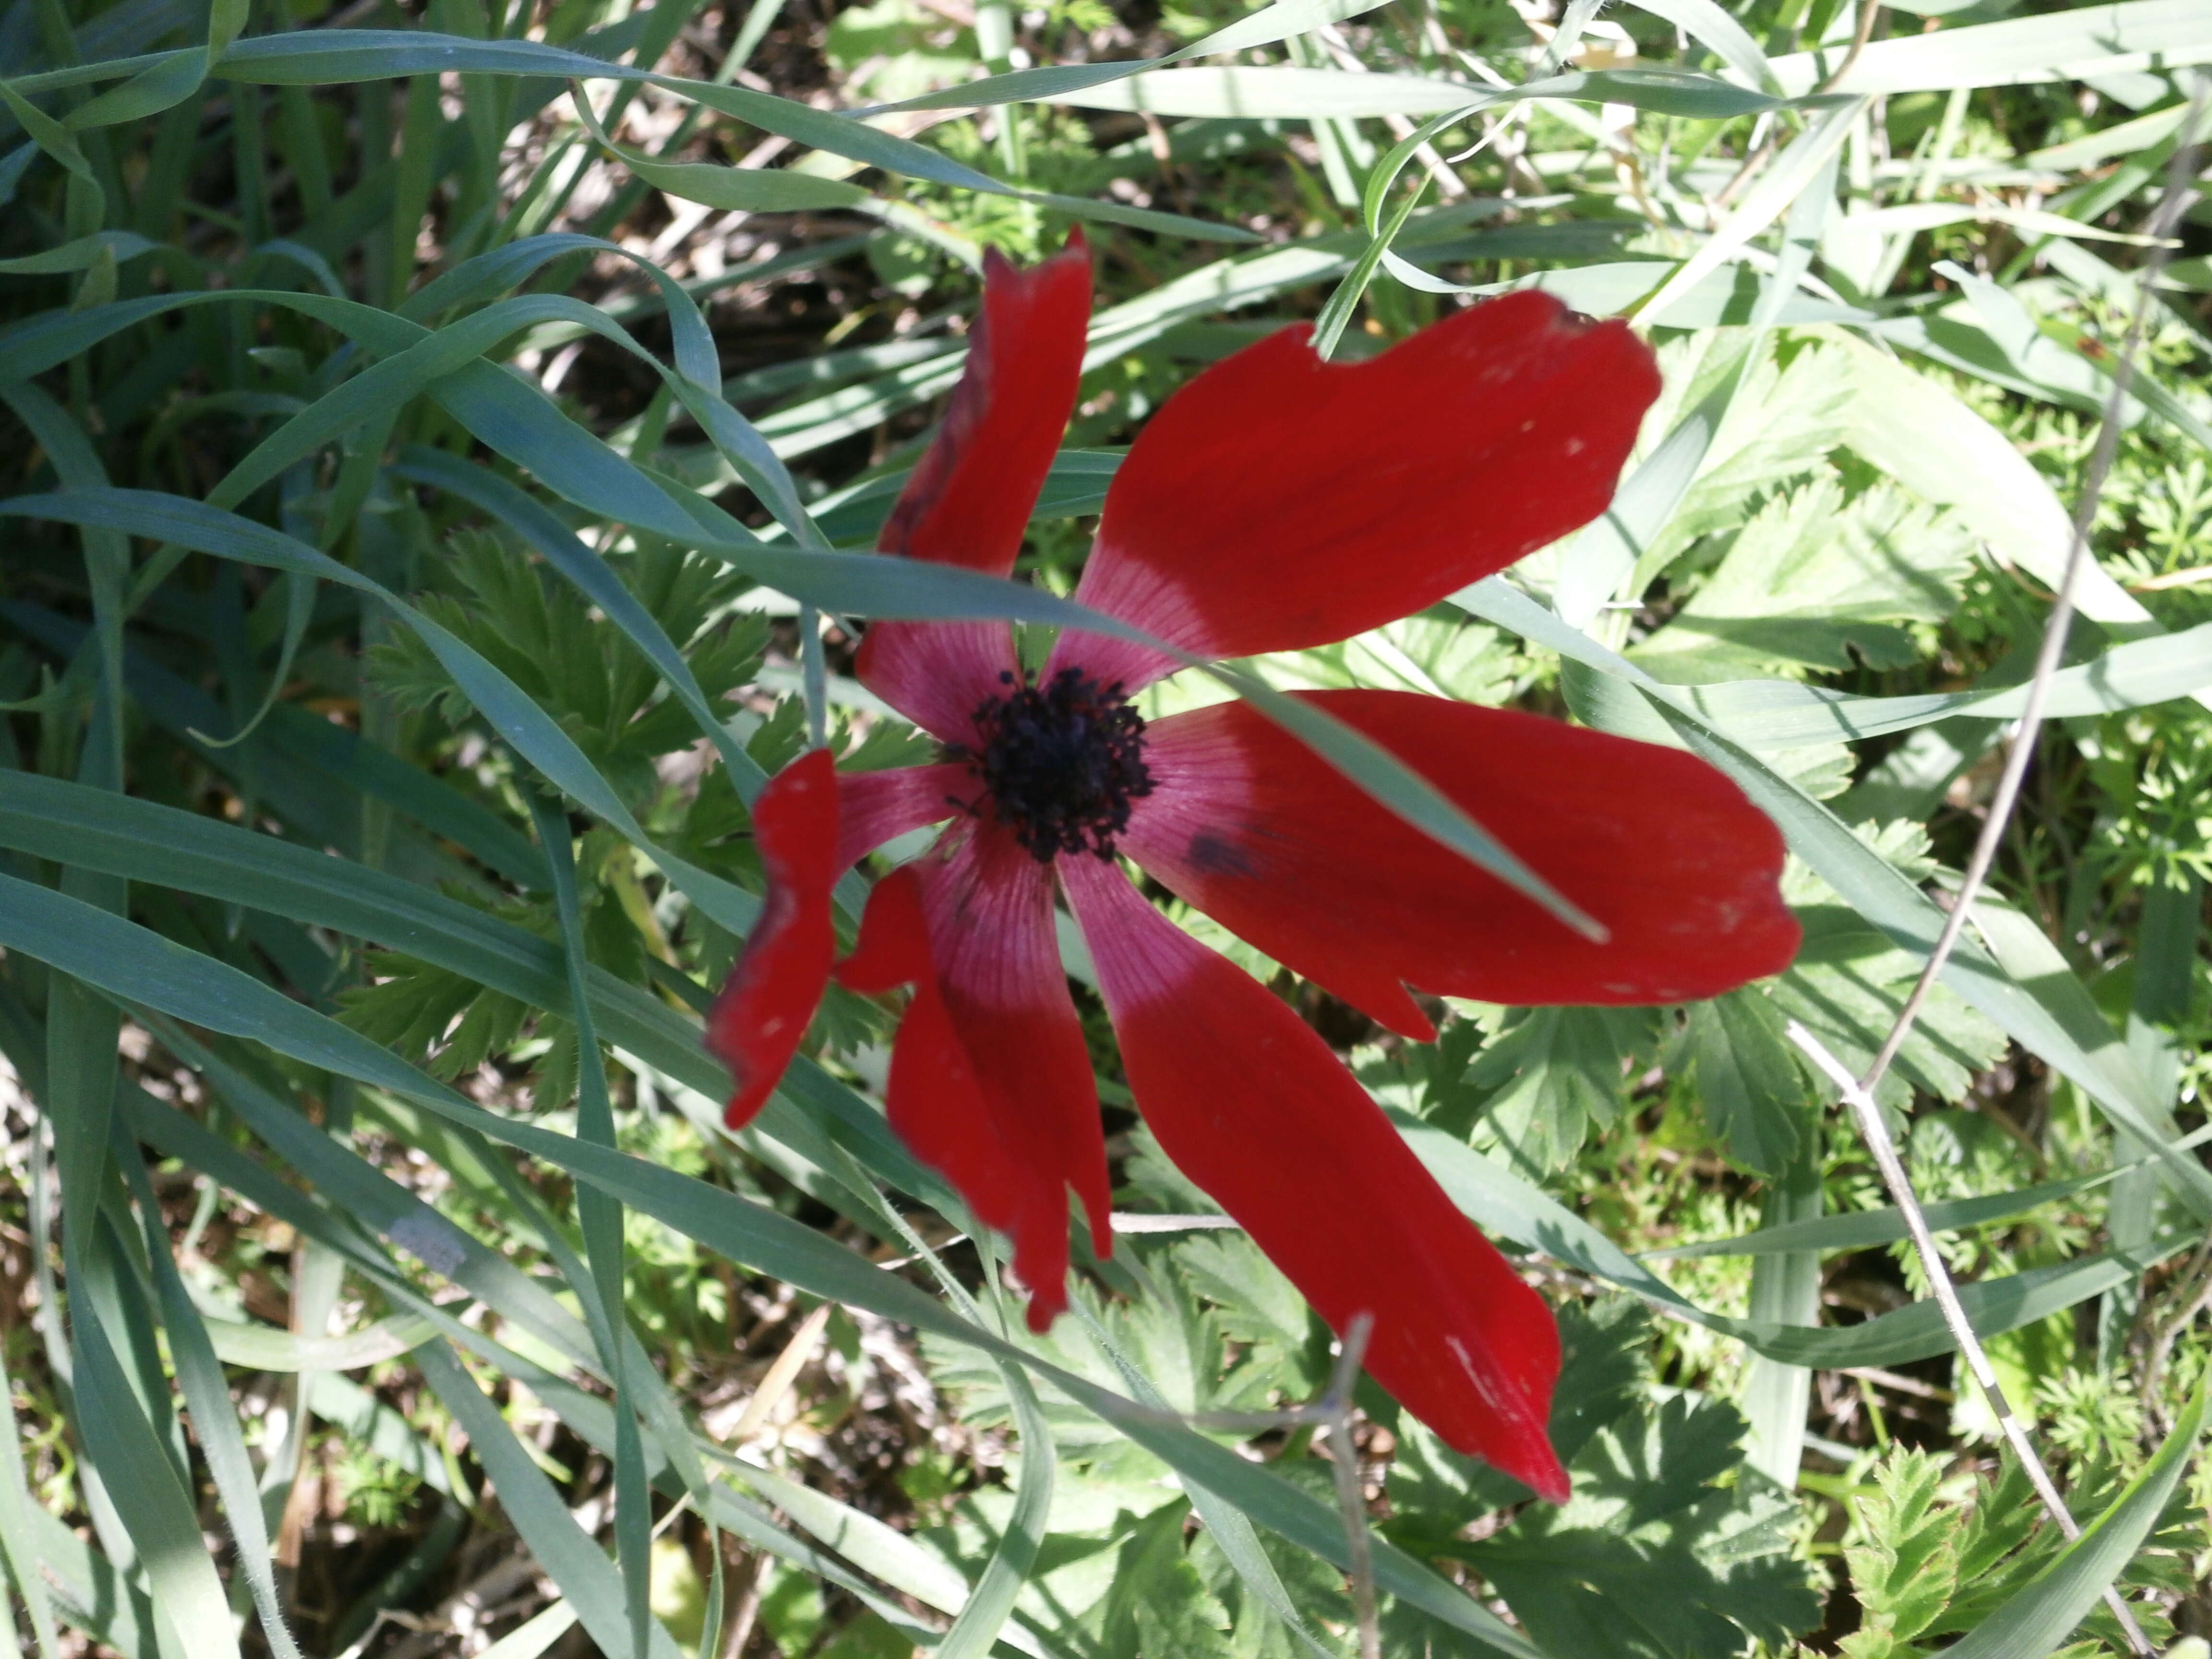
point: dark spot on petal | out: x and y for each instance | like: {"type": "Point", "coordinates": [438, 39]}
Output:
{"type": "Point", "coordinates": [1213, 854]}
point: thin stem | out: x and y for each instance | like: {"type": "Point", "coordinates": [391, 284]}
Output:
{"type": "Point", "coordinates": [1858, 1093]}
{"type": "Point", "coordinates": [814, 677]}
{"type": "Point", "coordinates": [1875, 1130]}
{"type": "Point", "coordinates": [2193, 1299]}
{"type": "Point", "coordinates": [1869, 14]}
{"type": "Point", "coordinates": [1360, 1555]}
{"type": "Point", "coordinates": [2053, 648]}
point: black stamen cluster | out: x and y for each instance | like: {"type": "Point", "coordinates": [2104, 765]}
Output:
{"type": "Point", "coordinates": [1063, 762]}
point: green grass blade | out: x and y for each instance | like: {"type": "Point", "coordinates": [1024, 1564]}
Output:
{"type": "Point", "coordinates": [69, 823]}
{"type": "Point", "coordinates": [2037, 1619]}
{"type": "Point", "coordinates": [2079, 41]}
{"type": "Point", "coordinates": [1863, 1229]}
{"type": "Point", "coordinates": [158, 1512]}
{"type": "Point", "coordinates": [94, 1595]}
{"type": "Point", "coordinates": [1501, 1203]}
{"type": "Point", "coordinates": [1785, 1289]}
{"type": "Point", "coordinates": [207, 1396]}
{"type": "Point", "coordinates": [568, 555]}
{"type": "Point", "coordinates": [984, 1615]}
{"type": "Point", "coordinates": [589, 1581]}
{"type": "Point", "coordinates": [18, 1539]}
{"type": "Point", "coordinates": [602, 1235]}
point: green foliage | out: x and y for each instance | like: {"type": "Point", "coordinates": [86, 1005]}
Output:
{"type": "Point", "coordinates": [1817, 581]}
{"type": "Point", "coordinates": [1670, 1546]}
{"type": "Point", "coordinates": [1159, 1603]}
{"type": "Point", "coordinates": [1556, 1075]}
{"type": "Point", "coordinates": [1748, 1079]}
{"type": "Point", "coordinates": [1931, 1560]}
{"type": "Point", "coordinates": [541, 634]}
{"type": "Point", "coordinates": [376, 1494]}
{"type": "Point", "coordinates": [301, 288]}
{"type": "Point", "coordinates": [1905, 1571]}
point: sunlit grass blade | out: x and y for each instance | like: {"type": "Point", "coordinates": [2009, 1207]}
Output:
{"type": "Point", "coordinates": [2040, 1617]}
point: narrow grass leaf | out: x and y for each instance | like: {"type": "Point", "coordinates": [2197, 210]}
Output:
{"type": "Point", "coordinates": [602, 1218]}
{"type": "Point", "coordinates": [2038, 1618]}
{"type": "Point", "coordinates": [983, 1616]}
{"type": "Point", "coordinates": [268, 1348]}
{"type": "Point", "coordinates": [18, 1539]}
{"type": "Point", "coordinates": [587, 1580]}
{"type": "Point", "coordinates": [1772, 196]}
{"type": "Point", "coordinates": [2081, 42]}
{"type": "Point", "coordinates": [1860, 1230]}
{"type": "Point", "coordinates": [1502, 1203]}
{"type": "Point", "coordinates": [206, 1395]}
{"type": "Point", "coordinates": [79, 255]}
{"type": "Point", "coordinates": [567, 553]}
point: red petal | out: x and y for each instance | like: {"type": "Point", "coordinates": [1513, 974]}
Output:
{"type": "Point", "coordinates": [1247, 824]}
{"type": "Point", "coordinates": [936, 1103]}
{"type": "Point", "coordinates": [969, 500]}
{"type": "Point", "coordinates": [991, 1081]}
{"type": "Point", "coordinates": [874, 807]}
{"type": "Point", "coordinates": [938, 674]}
{"type": "Point", "coordinates": [893, 948]}
{"type": "Point", "coordinates": [1252, 1106]}
{"type": "Point", "coordinates": [764, 1010]}
{"type": "Point", "coordinates": [1278, 502]}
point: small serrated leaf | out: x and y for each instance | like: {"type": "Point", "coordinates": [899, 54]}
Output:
{"type": "Point", "coordinates": [1555, 1075]}
{"type": "Point", "coordinates": [1906, 1569]}
{"type": "Point", "coordinates": [1754, 1095]}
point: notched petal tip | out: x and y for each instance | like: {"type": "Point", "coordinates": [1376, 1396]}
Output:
{"type": "Point", "coordinates": [968, 501]}
{"type": "Point", "coordinates": [1251, 1104]}
{"type": "Point", "coordinates": [1278, 502]}
{"type": "Point", "coordinates": [762, 1012]}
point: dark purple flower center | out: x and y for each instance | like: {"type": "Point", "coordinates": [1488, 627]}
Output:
{"type": "Point", "coordinates": [1061, 761]}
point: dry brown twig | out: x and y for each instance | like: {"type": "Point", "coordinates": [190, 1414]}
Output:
{"type": "Point", "coordinates": [1858, 1093]}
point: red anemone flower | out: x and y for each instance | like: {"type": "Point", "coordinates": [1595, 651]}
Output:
{"type": "Point", "coordinates": [1275, 502]}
